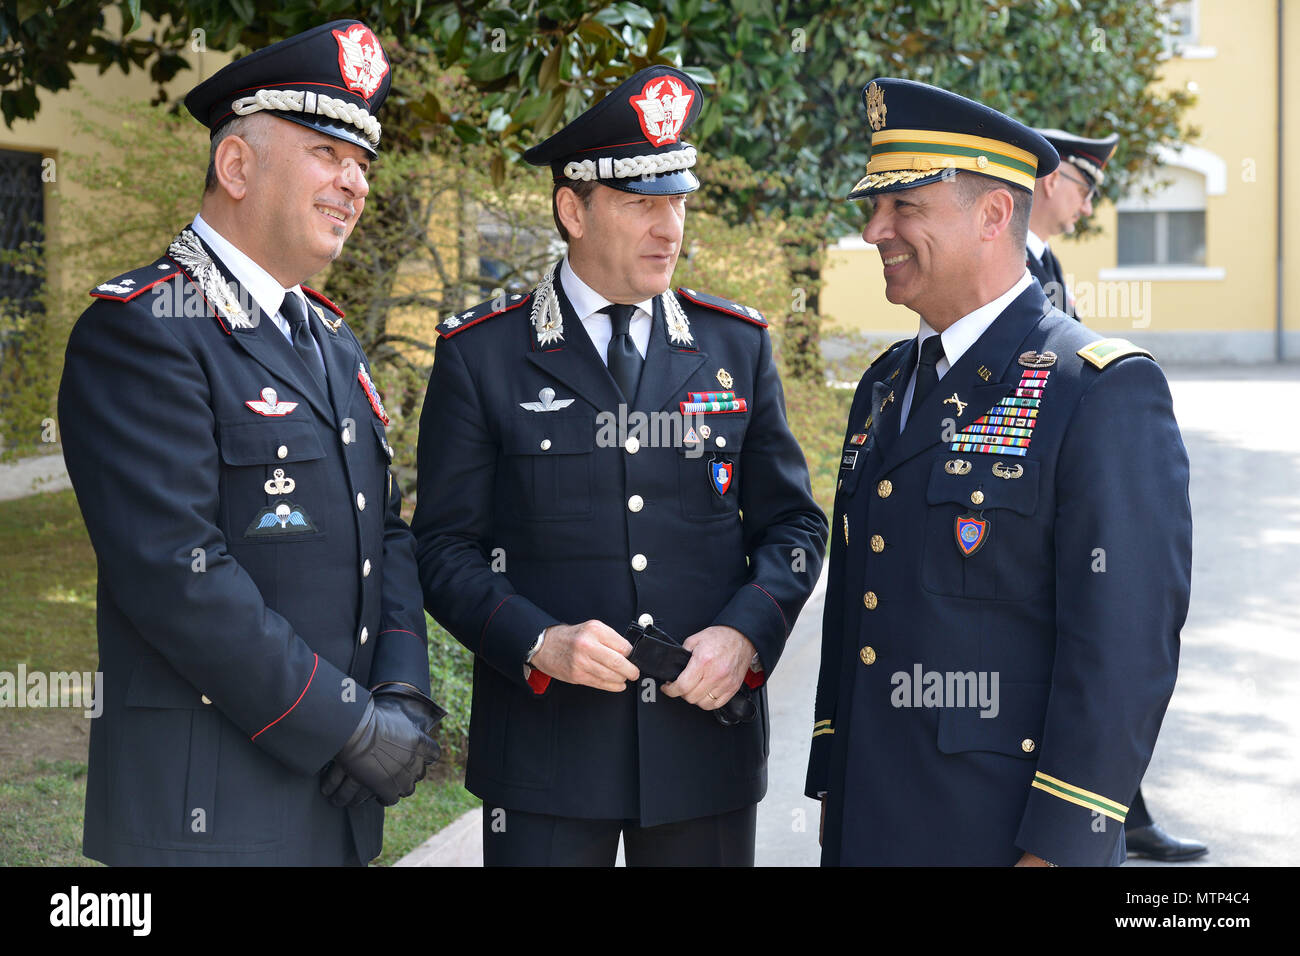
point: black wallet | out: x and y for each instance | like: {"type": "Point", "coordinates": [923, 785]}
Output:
{"type": "Point", "coordinates": [657, 655]}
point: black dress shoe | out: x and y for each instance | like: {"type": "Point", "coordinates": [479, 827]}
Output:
{"type": "Point", "coordinates": [1155, 844]}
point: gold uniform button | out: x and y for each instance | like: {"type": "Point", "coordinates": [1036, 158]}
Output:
{"type": "Point", "coordinates": [868, 655]}
{"type": "Point", "coordinates": [282, 452]}
{"type": "Point", "coordinates": [635, 503]}
{"type": "Point", "coordinates": [205, 699]}
{"type": "Point", "coordinates": [870, 601]}
{"type": "Point", "coordinates": [1027, 745]}
{"type": "Point", "coordinates": [885, 488]}
{"type": "Point", "coordinates": [877, 543]}
{"type": "Point", "coordinates": [977, 497]}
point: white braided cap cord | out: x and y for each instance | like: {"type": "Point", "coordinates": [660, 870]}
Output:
{"type": "Point", "coordinates": [631, 166]}
{"type": "Point", "coordinates": [302, 101]}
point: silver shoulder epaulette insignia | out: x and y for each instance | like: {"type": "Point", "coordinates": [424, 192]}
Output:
{"type": "Point", "coordinates": [725, 306]}
{"type": "Point", "coordinates": [460, 321]}
{"type": "Point", "coordinates": [128, 285]}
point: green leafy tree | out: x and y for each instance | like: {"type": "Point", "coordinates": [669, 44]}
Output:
{"type": "Point", "coordinates": [784, 82]}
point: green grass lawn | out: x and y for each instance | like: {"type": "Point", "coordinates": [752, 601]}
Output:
{"type": "Point", "coordinates": [47, 622]}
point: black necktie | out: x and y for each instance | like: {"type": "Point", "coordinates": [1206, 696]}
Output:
{"type": "Point", "coordinates": [295, 313]}
{"type": "Point", "coordinates": [927, 376]}
{"type": "Point", "coordinates": [624, 360]}
{"type": "Point", "coordinates": [1053, 267]}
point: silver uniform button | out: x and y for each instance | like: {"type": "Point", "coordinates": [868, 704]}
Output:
{"type": "Point", "coordinates": [722, 442]}
{"type": "Point", "coordinates": [546, 444]}
{"type": "Point", "coordinates": [633, 445]}
{"type": "Point", "coordinates": [365, 635]}
{"type": "Point", "coordinates": [645, 620]}
{"type": "Point", "coordinates": [205, 698]}
{"type": "Point", "coordinates": [635, 503]}
{"type": "Point", "coordinates": [347, 436]}
{"type": "Point", "coordinates": [282, 452]}
{"type": "Point", "coordinates": [361, 501]}
{"type": "Point", "coordinates": [365, 568]}
{"type": "Point", "coordinates": [638, 562]}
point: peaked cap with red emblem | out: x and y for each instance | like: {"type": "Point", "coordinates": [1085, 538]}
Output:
{"type": "Point", "coordinates": [332, 78]}
{"type": "Point", "coordinates": [630, 140]}
{"type": "Point", "coordinates": [1089, 155]}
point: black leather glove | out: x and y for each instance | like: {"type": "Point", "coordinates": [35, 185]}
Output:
{"type": "Point", "coordinates": [387, 754]}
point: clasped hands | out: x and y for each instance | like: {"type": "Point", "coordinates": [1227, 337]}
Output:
{"type": "Point", "coordinates": [595, 655]}
{"type": "Point", "coordinates": [388, 753]}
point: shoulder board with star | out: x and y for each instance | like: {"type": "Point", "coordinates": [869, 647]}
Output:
{"type": "Point", "coordinates": [889, 351]}
{"type": "Point", "coordinates": [327, 311]}
{"type": "Point", "coordinates": [461, 321]}
{"type": "Point", "coordinates": [1104, 351]}
{"type": "Point", "coordinates": [131, 284]}
{"type": "Point", "coordinates": [725, 306]}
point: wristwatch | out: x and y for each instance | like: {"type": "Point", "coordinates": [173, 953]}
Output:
{"type": "Point", "coordinates": [537, 646]}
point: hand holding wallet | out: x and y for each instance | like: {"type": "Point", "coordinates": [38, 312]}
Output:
{"type": "Point", "coordinates": [658, 655]}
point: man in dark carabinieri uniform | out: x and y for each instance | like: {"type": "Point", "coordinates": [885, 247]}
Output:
{"type": "Point", "coordinates": [261, 631]}
{"type": "Point", "coordinates": [550, 518]}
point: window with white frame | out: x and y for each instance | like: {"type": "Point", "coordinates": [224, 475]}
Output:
{"type": "Point", "coordinates": [1168, 227]}
{"type": "Point", "coordinates": [1182, 27]}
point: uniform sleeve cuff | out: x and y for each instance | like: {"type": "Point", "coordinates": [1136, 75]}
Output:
{"type": "Point", "coordinates": [509, 634]}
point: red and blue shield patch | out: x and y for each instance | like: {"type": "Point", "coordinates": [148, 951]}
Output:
{"type": "Point", "coordinates": [971, 533]}
{"type": "Point", "coordinates": [720, 475]}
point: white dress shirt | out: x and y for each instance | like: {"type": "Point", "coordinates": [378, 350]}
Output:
{"type": "Point", "coordinates": [958, 337]}
{"type": "Point", "coordinates": [589, 305]}
{"type": "Point", "coordinates": [257, 283]}
{"type": "Point", "coordinates": [1035, 245]}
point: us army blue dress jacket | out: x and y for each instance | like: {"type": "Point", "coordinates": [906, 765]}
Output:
{"type": "Point", "coordinates": [1031, 524]}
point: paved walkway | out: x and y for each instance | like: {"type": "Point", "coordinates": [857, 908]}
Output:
{"type": "Point", "coordinates": [1227, 767]}
{"type": "Point", "coordinates": [27, 476]}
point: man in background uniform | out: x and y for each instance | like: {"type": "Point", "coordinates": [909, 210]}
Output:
{"type": "Point", "coordinates": [1079, 177]}
{"type": "Point", "coordinates": [548, 520]}
{"type": "Point", "coordinates": [261, 631]}
{"type": "Point", "coordinates": [1011, 540]}
{"type": "Point", "coordinates": [1061, 198]}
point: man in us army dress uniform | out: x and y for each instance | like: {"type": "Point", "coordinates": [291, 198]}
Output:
{"type": "Point", "coordinates": [1011, 542]}
{"type": "Point", "coordinates": [261, 631]}
{"type": "Point", "coordinates": [544, 531]}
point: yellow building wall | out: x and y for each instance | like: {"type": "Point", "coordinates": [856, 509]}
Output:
{"type": "Point", "coordinates": [1236, 112]}
{"type": "Point", "coordinates": [53, 133]}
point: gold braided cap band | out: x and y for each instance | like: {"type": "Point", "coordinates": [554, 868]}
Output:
{"type": "Point", "coordinates": [906, 155]}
